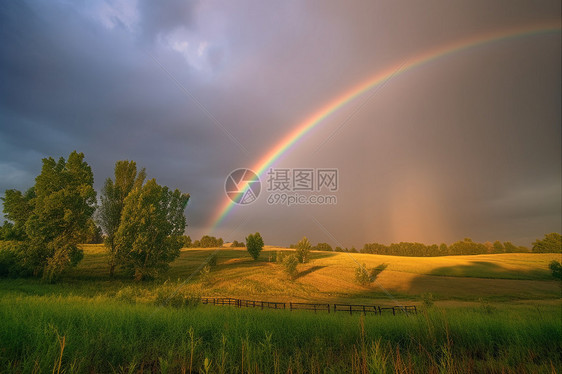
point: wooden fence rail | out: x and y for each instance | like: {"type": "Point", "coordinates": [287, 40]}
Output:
{"type": "Point", "coordinates": [310, 306]}
{"type": "Point", "coordinates": [349, 308]}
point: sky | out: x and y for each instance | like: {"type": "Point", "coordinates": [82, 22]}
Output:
{"type": "Point", "coordinates": [467, 144]}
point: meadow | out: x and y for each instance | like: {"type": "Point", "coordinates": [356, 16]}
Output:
{"type": "Point", "coordinates": [486, 313]}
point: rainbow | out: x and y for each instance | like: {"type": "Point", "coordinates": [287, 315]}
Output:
{"type": "Point", "coordinates": [380, 77]}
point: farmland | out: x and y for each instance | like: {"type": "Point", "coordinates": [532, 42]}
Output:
{"type": "Point", "coordinates": [490, 312]}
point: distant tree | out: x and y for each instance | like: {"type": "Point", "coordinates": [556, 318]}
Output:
{"type": "Point", "coordinates": [237, 244]}
{"type": "Point", "coordinates": [303, 250]}
{"type": "Point", "coordinates": [509, 247]}
{"type": "Point", "coordinates": [552, 243]}
{"type": "Point", "coordinates": [55, 215]}
{"type": "Point", "coordinates": [339, 249]}
{"type": "Point", "coordinates": [498, 247]}
{"type": "Point", "coordinates": [114, 193]}
{"type": "Point", "coordinates": [93, 233]}
{"type": "Point", "coordinates": [443, 249]}
{"type": "Point", "coordinates": [196, 244]}
{"type": "Point", "coordinates": [323, 247]}
{"type": "Point", "coordinates": [150, 234]}
{"type": "Point", "coordinates": [556, 269]}
{"type": "Point", "coordinates": [186, 241]}
{"type": "Point", "coordinates": [353, 250]}
{"type": "Point", "coordinates": [210, 242]}
{"type": "Point", "coordinates": [254, 245]}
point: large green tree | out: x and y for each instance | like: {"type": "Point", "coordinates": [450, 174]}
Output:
{"type": "Point", "coordinates": [150, 234]}
{"type": "Point", "coordinates": [113, 197]}
{"type": "Point", "coordinates": [54, 214]}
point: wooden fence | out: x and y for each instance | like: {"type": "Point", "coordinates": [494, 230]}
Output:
{"type": "Point", "coordinates": [347, 308]}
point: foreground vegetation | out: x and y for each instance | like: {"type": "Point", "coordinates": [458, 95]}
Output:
{"type": "Point", "coordinates": [487, 313]}
{"type": "Point", "coordinates": [104, 334]}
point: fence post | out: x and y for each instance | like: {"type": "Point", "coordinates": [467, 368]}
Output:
{"type": "Point", "coordinates": [291, 306]}
{"type": "Point", "coordinates": [350, 312]}
{"type": "Point", "coordinates": [393, 311]}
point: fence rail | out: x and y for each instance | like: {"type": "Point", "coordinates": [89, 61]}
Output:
{"type": "Point", "coordinates": [348, 308]}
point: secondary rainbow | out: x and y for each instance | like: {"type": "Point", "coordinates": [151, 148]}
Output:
{"type": "Point", "coordinates": [317, 117]}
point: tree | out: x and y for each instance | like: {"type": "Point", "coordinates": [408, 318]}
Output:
{"type": "Point", "coordinates": [54, 215]}
{"type": "Point", "coordinates": [552, 243]}
{"type": "Point", "coordinates": [17, 208]}
{"type": "Point", "coordinates": [323, 247]}
{"type": "Point", "coordinates": [254, 245]}
{"type": "Point", "coordinates": [113, 198]}
{"type": "Point", "coordinates": [150, 234]}
{"type": "Point", "coordinates": [187, 241]}
{"type": "Point", "coordinates": [303, 250]}
{"type": "Point", "coordinates": [93, 233]}
{"type": "Point", "coordinates": [498, 247]}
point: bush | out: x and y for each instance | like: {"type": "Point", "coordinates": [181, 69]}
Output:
{"type": "Point", "coordinates": [556, 269]}
{"type": "Point", "coordinates": [279, 256]}
{"type": "Point", "coordinates": [427, 299]}
{"type": "Point", "coordinates": [290, 264]}
{"type": "Point", "coordinates": [237, 244]}
{"type": "Point", "coordinates": [362, 275]}
{"type": "Point", "coordinates": [213, 259]}
{"type": "Point", "coordinates": [205, 276]}
{"type": "Point", "coordinates": [11, 259]}
{"type": "Point", "coordinates": [169, 295]}
{"type": "Point", "coordinates": [254, 245]}
{"type": "Point", "coordinates": [303, 250]}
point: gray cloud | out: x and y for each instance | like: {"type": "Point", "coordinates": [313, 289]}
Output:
{"type": "Point", "coordinates": [468, 145]}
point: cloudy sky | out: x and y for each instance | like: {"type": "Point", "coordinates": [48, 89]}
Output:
{"type": "Point", "coordinates": [466, 145]}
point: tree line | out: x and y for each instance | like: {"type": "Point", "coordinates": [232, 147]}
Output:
{"type": "Point", "coordinates": [551, 243]}
{"type": "Point", "coordinates": [143, 221]}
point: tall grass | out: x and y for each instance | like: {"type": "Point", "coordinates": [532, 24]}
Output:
{"type": "Point", "coordinates": [105, 334]}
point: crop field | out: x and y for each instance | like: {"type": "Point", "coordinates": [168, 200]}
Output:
{"type": "Point", "coordinates": [486, 313]}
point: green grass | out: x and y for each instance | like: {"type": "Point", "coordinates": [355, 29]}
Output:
{"type": "Point", "coordinates": [103, 334]}
{"type": "Point", "coordinates": [493, 313]}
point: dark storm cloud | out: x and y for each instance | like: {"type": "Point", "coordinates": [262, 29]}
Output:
{"type": "Point", "coordinates": [466, 146]}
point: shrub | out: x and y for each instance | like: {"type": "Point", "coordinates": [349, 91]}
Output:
{"type": "Point", "coordinates": [556, 269]}
{"type": "Point", "coordinates": [11, 259]}
{"type": "Point", "coordinates": [427, 299]}
{"type": "Point", "coordinates": [290, 264]}
{"type": "Point", "coordinates": [362, 276]}
{"type": "Point", "coordinates": [169, 295]}
{"type": "Point", "coordinates": [303, 250]}
{"type": "Point", "coordinates": [279, 256]}
{"type": "Point", "coordinates": [205, 276]}
{"type": "Point", "coordinates": [213, 259]}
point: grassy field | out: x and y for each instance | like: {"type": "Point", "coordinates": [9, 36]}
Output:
{"type": "Point", "coordinates": [493, 313]}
